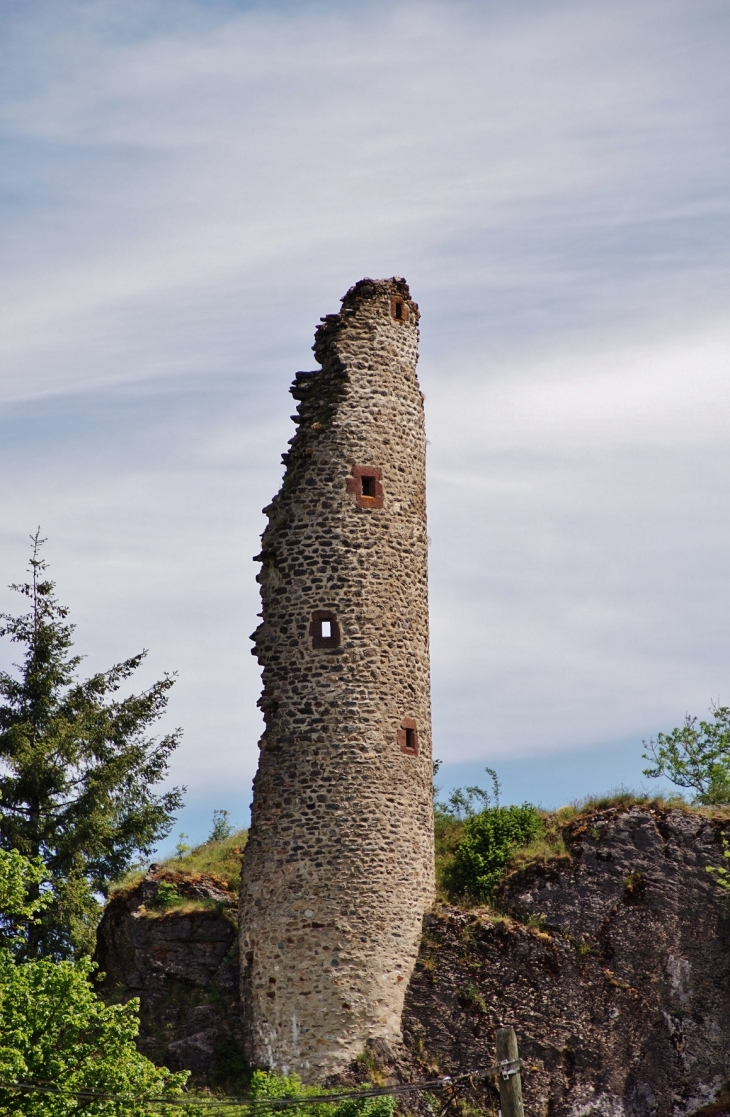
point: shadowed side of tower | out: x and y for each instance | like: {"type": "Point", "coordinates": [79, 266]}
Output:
{"type": "Point", "coordinates": [338, 870]}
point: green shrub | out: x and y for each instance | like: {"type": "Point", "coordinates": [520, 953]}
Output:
{"type": "Point", "coordinates": [167, 895]}
{"type": "Point", "coordinates": [470, 998]}
{"type": "Point", "coordinates": [265, 1084]}
{"type": "Point", "coordinates": [448, 833]}
{"type": "Point", "coordinates": [484, 850]}
{"type": "Point", "coordinates": [365, 1107]}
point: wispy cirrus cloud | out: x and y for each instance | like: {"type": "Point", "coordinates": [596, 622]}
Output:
{"type": "Point", "coordinates": [188, 186]}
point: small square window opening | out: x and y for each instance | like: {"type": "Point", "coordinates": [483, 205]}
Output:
{"type": "Point", "coordinates": [366, 482]}
{"type": "Point", "coordinates": [324, 629]}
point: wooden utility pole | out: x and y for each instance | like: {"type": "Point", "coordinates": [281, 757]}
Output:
{"type": "Point", "coordinates": [510, 1083]}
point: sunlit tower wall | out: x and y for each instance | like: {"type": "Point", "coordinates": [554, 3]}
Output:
{"type": "Point", "coordinates": [338, 870]}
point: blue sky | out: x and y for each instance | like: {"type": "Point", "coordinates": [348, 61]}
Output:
{"type": "Point", "coordinates": [186, 187]}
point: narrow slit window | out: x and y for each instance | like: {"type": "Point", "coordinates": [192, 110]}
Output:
{"type": "Point", "coordinates": [368, 486]}
{"type": "Point", "coordinates": [398, 309]}
{"type": "Point", "coordinates": [326, 630]}
{"type": "Point", "coordinates": [408, 737]}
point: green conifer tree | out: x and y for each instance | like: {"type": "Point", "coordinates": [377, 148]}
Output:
{"type": "Point", "coordinates": [78, 771]}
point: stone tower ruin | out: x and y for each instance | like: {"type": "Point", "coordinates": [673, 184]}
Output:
{"type": "Point", "coordinates": [338, 869]}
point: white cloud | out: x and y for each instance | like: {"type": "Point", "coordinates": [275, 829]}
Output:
{"type": "Point", "coordinates": [209, 161]}
{"type": "Point", "coordinates": [579, 500]}
{"type": "Point", "coordinates": [190, 185]}
{"type": "Point", "coordinates": [667, 392]}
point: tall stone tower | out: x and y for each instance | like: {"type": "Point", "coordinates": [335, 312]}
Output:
{"type": "Point", "coordinates": [338, 869]}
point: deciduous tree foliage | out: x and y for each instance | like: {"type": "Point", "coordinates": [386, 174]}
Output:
{"type": "Point", "coordinates": [695, 756]}
{"type": "Point", "coordinates": [55, 1032]}
{"type": "Point", "coordinates": [78, 770]}
{"type": "Point", "coordinates": [721, 873]}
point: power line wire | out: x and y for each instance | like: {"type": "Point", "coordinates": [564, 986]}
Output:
{"type": "Point", "coordinates": [507, 1067]}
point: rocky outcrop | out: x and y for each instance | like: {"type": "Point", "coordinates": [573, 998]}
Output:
{"type": "Point", "coordinates": [180, 957]}
{"type": "Point", "coordinates": [619, 990]}
{"type": "Point", "coordinates": [613, 966]}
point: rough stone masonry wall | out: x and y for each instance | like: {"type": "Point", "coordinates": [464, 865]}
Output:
{"type": "Point", "coordinates": [338, 870]}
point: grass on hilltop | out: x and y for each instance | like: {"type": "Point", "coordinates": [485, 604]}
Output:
{"type": "Point", "coordinates": [221, 859]}
{"type": "Point", "coordinates": [549, 844]}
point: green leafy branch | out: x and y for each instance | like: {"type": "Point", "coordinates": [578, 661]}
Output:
{"type": "Point", "coordinates": [696, 756]}
{"type": "Point", "coordinates": [721, 873]}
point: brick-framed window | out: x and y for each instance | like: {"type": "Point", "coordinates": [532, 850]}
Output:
{"type": "Point", "coordinates": [408, 737]}
{"type": "Point", "coordinates": [324, 629]}
{"type": "Point", "coordinates": [398, 308]}
{"type": "Point", "coordinates": [366, 483]}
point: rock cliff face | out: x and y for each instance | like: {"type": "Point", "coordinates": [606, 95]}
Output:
{"type": "Point", "coordinates": [182, 963]}
{"type": "Point", "coordinates": [614, 968]}
{"type": "Point", "coordinates": [619, 992]}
